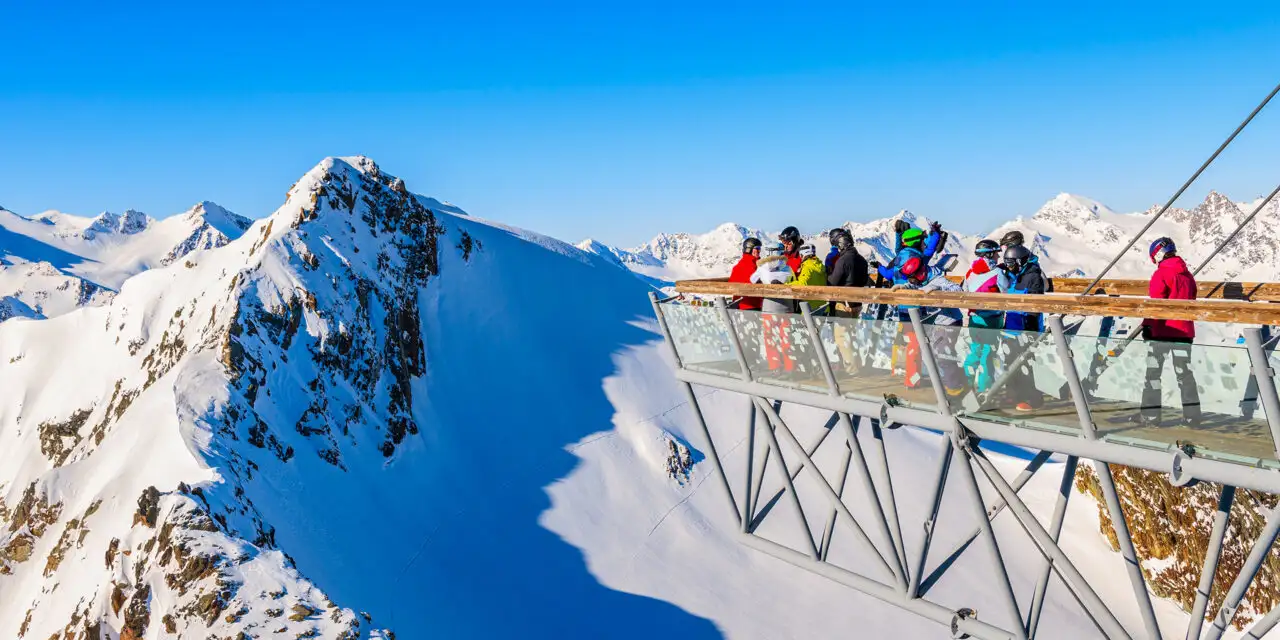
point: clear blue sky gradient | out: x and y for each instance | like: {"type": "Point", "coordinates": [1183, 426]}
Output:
{"type": "Point", "coordinates": [619, 121]}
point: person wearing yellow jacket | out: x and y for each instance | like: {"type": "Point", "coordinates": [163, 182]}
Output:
{"type": "Point", "coordinates": [812, 272]}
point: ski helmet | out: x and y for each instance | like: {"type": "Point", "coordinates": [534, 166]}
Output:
{"type": "Point", "coordinates": [914, 268]}
{"type": "Point", "coordinates": [836, 233]}
{"type": "Point", "coordinates": [1012, 239]}
{"type": "Point", "coordinates": [1160, 249]}
{"type": "Point", "coordinates": [750, 244]}
{"type": "Point", "coordinates": [792, 235]}
{"type": "Point", "coordinates": [1016, 258]}
{"type": "Point", "coordinates": [986, 248]}
{"type": "Point", "coordinates": [844, 241]}
{"type": "Point", "coordinates": [808, 251]}
{"type": "Point", "coordinates": [912, 236]}
{"type": "Point", "coordinates": [900, 226]}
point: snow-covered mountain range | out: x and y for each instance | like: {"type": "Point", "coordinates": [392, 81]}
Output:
{"type": "Point", "coordinates": [355, 417]}
{"type": "Point", "coordinates": [1073, 235]}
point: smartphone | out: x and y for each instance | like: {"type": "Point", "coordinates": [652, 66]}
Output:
{"type": "Point", "coordinates": [946, 262]}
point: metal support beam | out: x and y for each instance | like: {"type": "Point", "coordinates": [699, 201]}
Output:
{"type": "Point", "coordinates": [786, 475]}
{"type": "Point", "coordinates": [894, 568]}
{"type": "Point", "coordinates": [1266, 624]}
{"type": "Point", "coordinates": [1132, 565]}
{"type": "Point", "coordinates": [1060, 563]}
{"type": "Point", "coordinates": [939, 485]}
{"type": "Point", "coordinates": [886, 509]}
{"type": "Point", "coordinates": [692, 399]}
{"type": "Point", "coordinates": [829, 532]}
{"type": "Point", "coordinates": [1265, 378]}
{"type": "Point", "coordinates": [1055, 530]}
{"type": "Point", "coordinates": [970, 483]}
{"type": "Point", "coordinates": [1252, 564]}
{"type": "Point", "coordinates": [993, 509]}
{"type": "Point", "coordinates": [1210, 569]}
{"type": "Point", "coordinates": [747, 514]}
{"type": "Point", "coordinates": [935, 612]}
{"type": "Point", "coordinates": [884, 478]}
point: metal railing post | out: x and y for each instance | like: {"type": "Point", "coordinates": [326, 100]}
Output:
{"type": "Point", "coordinates": [733, 339]}
{"type": "Point", "coordinates": [1055, 530]}
{"type": "Point", "coordinates": [1107, 483]}
{"type": "Point", "coordinates": [1073, 378]}
{"type": "Point", "coordinates": [747, 515]}
{"type": "Point", "coordinates": [1210, 569]}
{"type": "Point", "coordinates": [1263, 374]}
{"type": "Point", "coordinates": [930, 364]}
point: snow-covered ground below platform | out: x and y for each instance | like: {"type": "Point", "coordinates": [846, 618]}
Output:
{"type": "Point", "coordinates": [645, 533]}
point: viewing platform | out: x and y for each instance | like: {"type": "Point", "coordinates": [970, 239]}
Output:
{"type": "Point", "coordinates": [1084, 387]}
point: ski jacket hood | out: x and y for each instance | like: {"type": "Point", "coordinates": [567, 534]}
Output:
{"type": "Point", "coordinates": [774, 270]}
{"type": "Point", "coordinates": [1171, 281]}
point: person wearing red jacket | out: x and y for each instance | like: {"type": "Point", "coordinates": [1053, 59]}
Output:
{"type": "Point", "coordinates": [743, 271]}
{"type": "Point", "coordinates": [1169, 339]}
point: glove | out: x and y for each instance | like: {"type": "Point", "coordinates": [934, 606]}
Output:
{"type": "Point", "coordinates": [1003, 267]}
{"type": "Point", "coordinates": [874, 264]}
{"type": "Point", "coordinates": [935, 227]}
{"type": "Point", "coordinates": [898, 287]}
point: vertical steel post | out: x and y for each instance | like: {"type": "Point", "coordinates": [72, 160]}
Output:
{"type": "Point", "coordinates": [1107, 483]}
{"type": "Point", "coordinates": [1263, 374]}
{"type": "Point", "coordinates": [1250, 569]}
{"type": "Point", "coordinates": [1203, 591]}
{"type": "Point", "coordinates": [894, 568]}
{"type": "Point", "coordinates": [970, 483]}
{"type": "Point", "coordinates": [697, 410]}
{"type": "Point", "coordinates": [939, 484]}
{"type": "Point", "coordinates": [1055, 530]}
{"type": "Point", "coordinates": [786, 478]}
{"type": "Point", "coordinates": [733, 339]}
{"type": "Point", "coordinates": [885, 509]}
{"type": "Point", "coordinates": [747, 515]}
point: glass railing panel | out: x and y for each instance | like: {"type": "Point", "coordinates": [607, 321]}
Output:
{"type": "Point", "coordinates": [876, 360]}
{"type": "Point", "coordinates": [1157, 393]}
{"type": "Point", "coordinates": [701, 338]}
{"type": "Point", "coordinates": [779, 349]}
{"type": "Point", "coordinates": [1008, 376]}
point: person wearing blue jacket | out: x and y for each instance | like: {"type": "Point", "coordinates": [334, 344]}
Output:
{"type": "Point", "coordinates": [1024, 277]}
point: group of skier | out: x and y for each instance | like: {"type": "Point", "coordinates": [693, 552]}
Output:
{"type": "Point", "coordinates": [1004, 266]}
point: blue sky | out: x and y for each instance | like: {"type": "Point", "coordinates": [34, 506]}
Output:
{"type": "Point", "coordinates": [619, 121]}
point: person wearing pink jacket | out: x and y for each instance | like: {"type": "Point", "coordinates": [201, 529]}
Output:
{"type": "Point", "coordinates": [1169, 339]}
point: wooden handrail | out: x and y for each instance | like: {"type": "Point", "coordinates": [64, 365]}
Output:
{"type": "Point", "coordinates": [1209, 289]}
{"type": "Point", "coordinates": [1225, 311]}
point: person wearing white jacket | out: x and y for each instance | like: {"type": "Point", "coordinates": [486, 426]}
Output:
{"type": "Point", "coordinates": [776, 328]}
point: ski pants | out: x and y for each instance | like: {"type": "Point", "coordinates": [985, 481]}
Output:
{"type": "Point", "coordinates": [777, 342]}
{"type": "Point", "coordinates": [1179, 351]}
{"type": "Point", "coordinates": [846, 331]}
{"type": "Point", "coordinates": [1022, 381]}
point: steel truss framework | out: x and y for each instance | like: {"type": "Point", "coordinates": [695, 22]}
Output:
{"type": "Point", "coordinates": [905, 577]}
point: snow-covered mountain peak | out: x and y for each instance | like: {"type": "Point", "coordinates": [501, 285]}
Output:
{"type": "Point", "coordinates": [225, 222]}
{"type": "Point", "coordinates": [128, 223]}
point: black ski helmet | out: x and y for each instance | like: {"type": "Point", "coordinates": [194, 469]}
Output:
{"type": "Point", "coordinates": [792, 235]}
{"type": "Point", "coordinates": [1012, 239]}
{"type": "Point", "coordinates": [836, 233]}
{"type": "Point", "coordinates": [1016, 258]}
{"type": "Point", "coordinates": [986, 247]}
{"type": "Point", "coordinates": [750, 244]}
{"type": "Point", "coordinates": [844, 240]}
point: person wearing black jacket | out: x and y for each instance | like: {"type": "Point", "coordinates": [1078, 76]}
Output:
{"type": "Point", "coordinates": [848, 270]}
